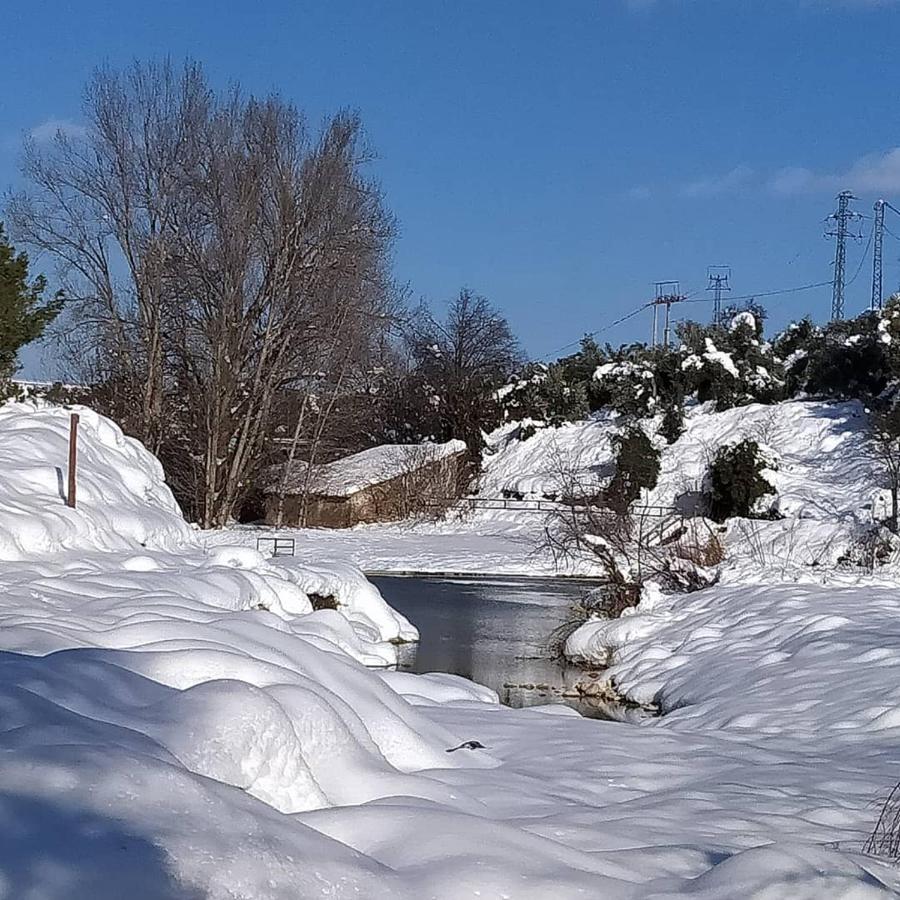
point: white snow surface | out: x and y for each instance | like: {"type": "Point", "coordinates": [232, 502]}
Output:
{"type": "Point", "coordinates": [123, 504]}
{"type": "Point", "coordinates": [122, 499]}
{"type": "Point", "coordinates": [176, 723]}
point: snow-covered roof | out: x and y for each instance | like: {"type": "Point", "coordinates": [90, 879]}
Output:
{"type": "Point", "coordinates": [347, 476]}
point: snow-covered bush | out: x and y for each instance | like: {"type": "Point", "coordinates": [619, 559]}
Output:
{"type": "Point", "coordinates": [858, 358]}
{"type": "Point", "coordinates": [543, 394]}
{"type": "Point", "coordinates": [627, 382]}
{"type": "Point", "coordinates": [731, 366]}
{"type": "Point", "coordinates": [737, 480]}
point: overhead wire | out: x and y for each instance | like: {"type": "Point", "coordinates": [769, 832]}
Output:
{"type": "Point", "coordinates": [863, 257]}
{"type": "Point", "coordinates": [688, 299]}
{"type": "Point", "coordinates": [600, 330]}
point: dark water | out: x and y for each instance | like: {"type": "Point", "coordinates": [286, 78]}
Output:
{"type": "Point", "coordinates": [494, 631]}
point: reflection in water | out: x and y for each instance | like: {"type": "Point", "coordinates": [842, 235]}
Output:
{"type": "Point", "coordinates": [495, 632]}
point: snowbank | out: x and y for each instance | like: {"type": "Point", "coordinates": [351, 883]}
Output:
{"type": "Point", "coordinates": [123, 500]}
{"type": "Point", "coordinates": [176, 723]}
{"type": "Point", "coordinates": [125, 505]}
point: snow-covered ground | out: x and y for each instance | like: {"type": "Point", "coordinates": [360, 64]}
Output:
{"type": "Point", "coordinates": [493, 542]}
{"type": "Point", "coordinates": [176, 723]}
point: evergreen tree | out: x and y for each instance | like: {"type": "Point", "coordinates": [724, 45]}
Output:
{"type": "Point", "coordinates": [737, 481]}
{"type": "Point", "coordinates": [637, 468]}
{"type": "Point", "coordinates": [24, 314]}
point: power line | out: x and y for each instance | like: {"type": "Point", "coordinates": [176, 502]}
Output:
{"type": "Point", "coordinates": [689, 298]}
{"type": "Point", "coordinates": [842, 219]}
{"type": "Point", "coordinates": [877, 256]}
{"type": "Point", "coordinates": [718, 280]}
{"type": "Point", "coordinates": [865, 254]}
{"type": "Point", "coordinates": [600, 330]}
{"type": "Point", "coordinates": [793, 290]}
{"type": "Point", "coordinates": [667, 293]}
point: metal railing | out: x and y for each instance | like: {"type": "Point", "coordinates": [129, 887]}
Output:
{"type": "Point", "coordinates": [281, 546]}
{"type": "Point", "coordinates": [545, 506]}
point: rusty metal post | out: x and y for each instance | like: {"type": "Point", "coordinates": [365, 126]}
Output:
{"type": "Point", "coordinates": [73, 459]}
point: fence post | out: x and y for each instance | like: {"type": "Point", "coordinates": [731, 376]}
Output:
{"type": "Point", "coordinates": [73, 459]}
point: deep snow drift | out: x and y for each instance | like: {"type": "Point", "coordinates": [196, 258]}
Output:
{"type": "Point", "coordinates": [124, 505]}
{"type": "Point", "coordinates": [177, 724]}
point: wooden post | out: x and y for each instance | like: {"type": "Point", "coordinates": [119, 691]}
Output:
{"type": "Point", "coordinates": [73, 458]}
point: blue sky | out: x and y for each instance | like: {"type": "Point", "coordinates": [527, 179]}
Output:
{"type": "Point", "coordinates": [558, 156]}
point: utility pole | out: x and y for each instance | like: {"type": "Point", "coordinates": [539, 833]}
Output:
{"type": "Point", "coordinates": [877, 246]}
{"type": "Point", "coordinates": [842, 218]}
{"type": "Point", "coordinates": [667, 293]}
{"type": "Point", "coordinates": [718, 281]}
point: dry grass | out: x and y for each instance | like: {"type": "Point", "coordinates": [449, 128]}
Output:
{"type": "Point", "coordinates": [706, 554]}
{"type": "Point", "coordinates": [885, 838]}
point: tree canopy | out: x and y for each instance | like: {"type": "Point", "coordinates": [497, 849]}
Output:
{"type": "Point", "coordinates": [24, 313]}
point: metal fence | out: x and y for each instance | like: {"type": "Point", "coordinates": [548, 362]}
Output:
{"type": "Point", "coordinates": [545, 506]}
{"type": "Point", "coordinates": [281, 546]}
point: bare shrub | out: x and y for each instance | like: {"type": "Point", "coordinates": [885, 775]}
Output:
{"type": "Point", "coordinates": [763, 430]}
{"type": "Point", "coordinates": [707, 552]}
{"type": "Point", "coordinates": [593, 605]}
{"type": "Point", "coordinates": [873, 547]}
{"type": "Point", "coordinates": [884, 841]}
{"type": "Point", "coordinates": [630, 547]}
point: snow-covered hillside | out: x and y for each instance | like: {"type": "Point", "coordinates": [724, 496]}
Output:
{"type": "Point", "coordinates": [822, 471]}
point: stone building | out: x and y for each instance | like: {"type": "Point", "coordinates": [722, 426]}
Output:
{"type": "Point", "coordinates": [381, 484]}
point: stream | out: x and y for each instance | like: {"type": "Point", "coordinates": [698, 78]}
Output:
{"type": "Point", "coordinates": [492, 630]}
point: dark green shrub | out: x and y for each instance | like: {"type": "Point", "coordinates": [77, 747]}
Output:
{"type": "Point", "coordinates": [672, 425]}
{"type": "Point", "coordinates": [637, 468]}
{"type": "Point", "coordinates": [736, 481]}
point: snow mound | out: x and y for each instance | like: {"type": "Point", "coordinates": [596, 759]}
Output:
{"type": "Point", "coordinates": [123, 500]}
{"type": "Point", "coordinates": [124, 504]}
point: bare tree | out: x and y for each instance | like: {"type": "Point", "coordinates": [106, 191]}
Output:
{"type": "Point", "coordinates": [459, 362]}
{"type": "Point", "coordinates": [254, 257]}
{"type": "Point", "coordinates": [107, 207]}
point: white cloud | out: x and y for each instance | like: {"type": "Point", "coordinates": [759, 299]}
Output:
{"type": "Point", "coordinates": [870, 174]}
{"type": "Point", "coordinates": [48, 129]}
{"type": "Point", "coordinates": [716, 185]}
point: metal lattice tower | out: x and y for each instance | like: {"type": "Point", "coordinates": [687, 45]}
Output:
{"type": "Point", "coordinates": [667, 293]}
{"type": "Point", "coordinates": [718, 281]}
{"type": "Point", "coordinates": [877, 246]}
{"type": "Point", "coordinates": [842, 219]}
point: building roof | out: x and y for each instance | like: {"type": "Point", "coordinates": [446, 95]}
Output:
{"type": "Point", "coordinates": [347, 476]}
